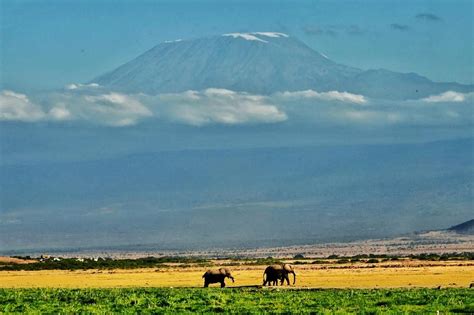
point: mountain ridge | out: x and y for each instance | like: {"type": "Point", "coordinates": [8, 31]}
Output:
{"type": "Point", "coordinates": [463, 228]}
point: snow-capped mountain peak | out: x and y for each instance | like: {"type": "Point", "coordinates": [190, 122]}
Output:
{"type": "Point", "coordinates": [259, 63]}
{"type": "Point", "coordinates": [246, 36]}
{"type": "Point", "coordinates": [257, 36]}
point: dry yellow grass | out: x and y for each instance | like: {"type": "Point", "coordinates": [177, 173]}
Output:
{"type": "Point", "coordinates": [13, 261]}
{"type": "Point", "coordinates": [454, 274]}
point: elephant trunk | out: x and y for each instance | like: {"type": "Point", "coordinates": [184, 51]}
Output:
{"type": "Point", "coordinates": [294, 277]}
{"type": "Point", "coordinates": [231, 278]}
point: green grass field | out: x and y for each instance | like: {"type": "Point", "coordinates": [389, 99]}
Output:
{"type": "Point", "coordinates": [245, 300]}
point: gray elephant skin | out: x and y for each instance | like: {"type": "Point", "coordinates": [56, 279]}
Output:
{"type": "Point", "coordinates": [217, 276]}
{"type": "Point", "coordinates": [277, 272]}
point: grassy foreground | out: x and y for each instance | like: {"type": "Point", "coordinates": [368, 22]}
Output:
{"type": "Point", "coordinates": [237, 300]}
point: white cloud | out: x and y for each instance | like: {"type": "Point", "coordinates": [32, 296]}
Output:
{"type": "Point", "coordinates": [343, 109]}
{"type": "Point", "coordinates": [16, 106]}
{"type": "Point", "coordinates": [172, 41]}
{"type": "Point", "coordinates": [75, 86]}
{"type": "Point", "coordinates": [327, 96]}
{"type": "Point", "coordinates": [219, 92]}
{"type": "Point", "coordinates": [84, 103]}
{"type": "Point", "coordinates": [369, 117]}
{"type": "Point", "coordinates": [60, 112]}
{"type": "Point", "coordinates": [449, 96]}
{"type": "Point", "coordinates": [111, 108]}
{"type": "Point", "coordinates": [219, 106]}
{"type": "Point", "coordinates": [412, 113]}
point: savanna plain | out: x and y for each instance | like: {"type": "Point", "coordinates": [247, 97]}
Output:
{"type": "Point", "coordinates": [367, 284]}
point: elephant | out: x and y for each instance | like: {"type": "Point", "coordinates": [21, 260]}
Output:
{"type": "Point", "coordinates": [215, 276]}
{"type": "Point", "coordinates": [277, 272]}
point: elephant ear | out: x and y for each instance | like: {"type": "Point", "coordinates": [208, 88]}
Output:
{"type": "Point", "coordinates": [288, 267]}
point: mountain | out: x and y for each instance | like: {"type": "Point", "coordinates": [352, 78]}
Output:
{"type": "Point", "coordinates": [463, 228]}
{"type": "Point", "coordinates": [260, 63]}
{"type": "Point", "coordinates": [387, 84]}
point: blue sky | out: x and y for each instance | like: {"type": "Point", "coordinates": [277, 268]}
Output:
{"type": "Point", "coordinates": [48, 44]}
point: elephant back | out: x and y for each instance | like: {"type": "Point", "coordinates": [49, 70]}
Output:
{"type": "Point", "coordinates": [277, 267]}
{"type": "Point", "coordinates": [224, 271]}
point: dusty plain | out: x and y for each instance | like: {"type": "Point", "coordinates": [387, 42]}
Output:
{"type": "Point", "coordinates": [395, 274]}
{"type": "Point", "coordinates": [437, 242]}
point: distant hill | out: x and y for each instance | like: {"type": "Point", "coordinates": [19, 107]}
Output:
{"type": "Point", "coordinates": [261, 63]}
{"type": "Point", "coordinates": [463, 228]}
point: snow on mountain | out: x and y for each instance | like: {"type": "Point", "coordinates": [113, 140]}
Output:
{"type": "Point", "coordinates": [245, 36]}
{"type": "Point", "coordinates": [255, 35]}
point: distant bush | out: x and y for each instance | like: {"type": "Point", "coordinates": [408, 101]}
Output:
{"type": "Point", "coordinates": [447, 256]}
{"type": "Point", "coordinates": [362, 256]}
{"type": "Point", "coordinates": [22, 257]}
{"type": "Point", "coordinates": [299, 262]}
{"type": "Point", "coordinates": [372, 261]}
{"type": "Point", "coordinates": [319, 261]}
{"type": "Point", "coordinates": [298, 256]}
{"type": "Point", "coordinates": [264, 261]}
{"type": "Point", "coordinates": [378, 256]}
{"type": "Point", "coordinates": [103, 263]}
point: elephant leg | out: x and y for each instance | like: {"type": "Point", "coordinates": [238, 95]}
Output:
{"type": "Point", "coordinates": [206, 284]}
{"type": "Point", "coordinates": [287, 278]}
{"type": "Point", "coordinates": [222, 284]}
